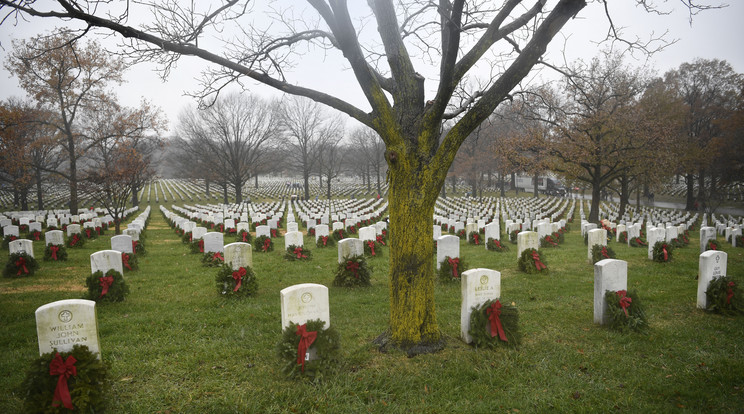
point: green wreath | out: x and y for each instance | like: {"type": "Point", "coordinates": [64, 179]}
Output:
{"type": "Point", "coordinates": [662, 252]}
{"type": "Point", "coordinates": [311, 231]}
{"type": "Point", "coordinates": [475, 238]}
{"type": "Point", "coordinates": [20, 264]}
{"type": "Point", "coordinates": [446, 272]}
{"type": "Point", "coordinates": [712, 244]}
{"type": "Point", "coordinates": [61, 252]}
{"type": "Point", "coordinates": [76, 240]}
{"type": "Point", "coordinates": [559, 237]}
{"type": "Point", "coordinates": [528, 263]}
{"type": "Point", "coordinates": [461, 234]}
{"type": "Point", "coordinates": [264, 246]}
{"type": "Point", "coordinates": [368, 245]}
{"type": "Point", "coordinates": [638, 242]}
{"type": "Point", "coordinates": [117, 288]}
{"type": "Point", "coordinates": [7, 239]}
{"type": "Point", "coordinates": [244, 236]}
{"type": "Point", "coordinates": [138, 246]}
{"type": "Point", "coordinates": [513, 236]}
{"type": "Point", "coordinates": [480, 326]}
{"type": "Point", "coordinates": [724, 296]}
{"type": "Point", "coordinates": [677, 243]}
{"type": "Point", "coordinates": [634, 320]}
{"type": "Point", "coordinates": [197, 246]}
{"type": "Point", "coordinates": [600, 252]}
{"type": "Point", "coordinates": [89, 389]}
{"type": "Point", "coordinates": [353, 272]}
{"type": "Point", "coordinates": [297, 253]}
{"type": "Point", "coordinates": [324, 241]}
{"type": "Point", "coordinates": [496, 246]}
{"type": "Point", "coordinates": [213, 259]}
{"type": "Point", "coordinates": [338, 234]}
{"type": "Point", "coordinates": [186, 238]}
{"type": "Point", "coordinates": [326, 348]}
{"type": "Point", "coordinates": [227, 281]}
{"type": "Point", "coordinates": [129, 262]}
{"type": "Point", "coordinates": [623, 237]}
{"type": "Point", "coordinates": [90, 233]}
{"type": "Point", "coordinates": [549, 241]}
{"type": "Point", "coordinates": [740, 241]}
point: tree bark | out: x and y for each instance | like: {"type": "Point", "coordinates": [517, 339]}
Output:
{"type": "Point", "coordinates": [135, 197]}
{"type": "Point", "coordinates": [238, 191]}
{"type": "Point", "coordinates": [39, 193]}
{"type": "Point", "coordinates": [624, 196]}
{"type": "Point", "coordinates": [596, 196]}
{"type": "Point", "coordinates": [536, 190]}
{"type": "Point", "coordinates": [690, 182]}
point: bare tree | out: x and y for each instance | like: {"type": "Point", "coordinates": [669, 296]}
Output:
{"type": "Point", "coordinates": [330, 160]}
{"type": "Point", "coordinates": [371, 150]}
{"type": "Point", "coordinates": [455, 38]}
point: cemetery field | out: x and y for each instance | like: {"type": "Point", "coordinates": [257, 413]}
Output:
{"type": "Point", "coordinates": [175, 345]}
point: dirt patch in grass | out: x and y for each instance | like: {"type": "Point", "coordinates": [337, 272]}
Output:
{"type": "Point", "coordinates": [64, 287]}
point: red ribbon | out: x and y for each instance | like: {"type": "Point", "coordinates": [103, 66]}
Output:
{"type": "Point", "coordinates": [666, 254]}
{"type": "Point", "coordinates": [125, 261]}
{"type": "Point", "coordinates": [134, 246]}
{"type": "Point", "coordinates": [201, 245]}
{"type": "Point", "coordinates": [498, 244]}
{"type": "Point", "coordinates": [604, 253]}
{"type": "Point", "coordinates": [218, 256]}
{"type": "Point", "coordinates": [75, 239]}
{"type": "Point", "coordinates": [711, 246]}
{"type": "Point", "coordinates": [453, 264]}
{"type": "Point", "coordinates": [245, 236]}
{"type": "Point", "coordinates": [87, 233]}
{"type": "Point", "coordinates": [353, 267]}
{"type": "Point", "coordinates": [475, 237]}
{"type": "Point", "coordinates": [371, 245]}
{"type": "Point", "coordinates": [266, 244]}
{"type": "Point", "coordinates": [380, 240]}
{"type": "Point", "coordinates": [238, 276]}
{"type": "Point", "coordinates": [730, 292]}
{"type": "Point", "coordinates": [306, 339]}
{"type": "Point", "coordinates": [21, 262]}
{"type": "Point", "coordinates": [325, 240]}
{"type": "Point", "coordinates": [106, 282]}
{"type": "Point", "coordinates": [538, 264]}
{"type": "Point", "coordinates": [273, 232]}
{"type": "Point", "coordinates": [64, 369]}
{"type": "Point", "coordinates": [624, 301]}
{"type": "Point", "coordinates": [494, 311]}
{"type": "Point", "coordinates": [550, 240]}
{"type": "Point", "coordinates": [54, 249]}
{"type": "Point", "coordinates": [298, 252]}
{"type": "Point", "coordinates": [37, 235]}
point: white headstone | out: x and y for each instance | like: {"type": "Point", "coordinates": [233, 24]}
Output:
{"type": "Point", "coordinates": [305, 302]}
{"type": "Point", "coordinates": [61, 325]}
{"type": "Point", "coordinates": [492, 231]}
{"type": "Point", "coordinates": [197, 233]}
{"type": "Point", "coordinates": [437, 232]}
{"type": "Point", "coordinates": [596, 237]}
{"type": "Point", "coordinates": [213, 242]}
{"type": "Point", "coordinates": [54, 237]}
{"type": "Point", "coordinates": [239, 255]}
{"type": "Point", "coordinates": [22, 246]}
{"type": "Point", "coordinates": [73, 229]}
{"type": "Point", "coordinates": [263, 231]}
{"type": "Point", "coordinates": [367, 233]}
{"type": "Point", "coordinates": [712, 264]}
{"type": "Point", "coordinates": [293, 238]}
{"type": "Point", "coordinates": [122, 243]}
{"type": "Point", "coordinates": [11, 230]}
{"type": "Point", "coordinates": [349, 248]}
{"type": "Point", "coordinates": [477, 286]}
{"type": "Point", "coordinates": [447, 246]}
{"type": "Point", "coordinates": [527, 240]}
{"type": "Point", "coordinates": [292, 226]}
{"type": "Point", "coordinates": [612, 275]}
{"type": "Point", "coordinates": [706, 233]}
{"type": "Point", "coordinates": [321, 230]}
{"type": "Point", "coordinates": [106, 260]}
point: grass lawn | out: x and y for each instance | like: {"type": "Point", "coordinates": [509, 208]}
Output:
{"type": "Point", "coordinates": [174, 345]}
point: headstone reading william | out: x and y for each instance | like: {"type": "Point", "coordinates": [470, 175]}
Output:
{"type": "Point", "coordinates": [61, 325]}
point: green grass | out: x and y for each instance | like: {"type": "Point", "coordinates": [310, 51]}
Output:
{"type": "Point", "coordinates": [175, 346]}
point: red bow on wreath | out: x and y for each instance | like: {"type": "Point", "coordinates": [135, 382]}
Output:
{"type": "Point", "coordinates": [21, 264]}
{"type": "Point", "coordinates": [54, 249]}
{"type": "Point", "coordinates": [201, 246]}
{"type": "Point", "coordinates": [266, 244]}
{"type": "Point", "coordinates": [453, 264]}
{"type": "Point", "coordinates": [498, 244]}
{"type": "Point", "coordinates": [604, 253]}
{"type": "Point", "coordinates": [64, 369]}
{"type": "Point", "coordinates": [37, 235]}
{"type": "Point", "coordinates": [711, 245]}
{"type": "Point", "coordinates": [245, 236]}
{"type": "Point", "coordinates": [105, 282]}
{"type": "Point", "coordinates": [324, 239]}
{"type": "Point", "coordinates": [87, 233]}
{"type": "Point", "coordinates": [494, 311]}
{"type": "Point", "coordinates": [306, 339]}
{"type": "Point", "coordinates": [353, 267]}
{"type": "Point", "coordinates": [75, 239]}
{"type": "Point", "coordinates": [380, 240]}
{"type": "Point", "coordinates": [475, 237]}
{"type": "Point", "coordinates": [730, 292]}
{"type": "Point", "coordinates": [218, 256]}
{"type": "Point", "coordinates": [666, 254]}
{"type": "Point", "coordinates": [238, 276]}
{"type": "Point", "coordinates": [298, 252]}
{"type": "Point", "coordinates": [125, 261]}
{"type": "Point", "coordinates": [624, 301]}
{"type": "Point", "coordinates": [538, 264]}
{"type": "Point", "coordinates": [371, 246]}
{"type": "Point", "coordinates": [134, 245]}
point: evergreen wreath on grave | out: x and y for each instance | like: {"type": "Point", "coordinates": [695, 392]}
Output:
{"type": "Point", "coordinates": [381, 239]}
{"type": "Point", "coordinates": [100, 230]}
{"type": "Point", "coordinates": [353, 272]}
{"type": "Point", "coordinates": [623, 237]}
{"type": "Point", "coordinates": [20, 264]}
{"type": "Point", "coordinates": [559, 237]}
{"type": "Point", "coordinates": [712, 245]}
{"type": "Point", "coordinates": [264, 244]}
{"type": "Point", "coordinates": [338, 234]}
{"type": "Point", "coordinates": [90, 233]}
{"type": "Point", "coordinates": [55, 252]}
{"type": "Point", "coordinates": [513, 236]}
{"type": "Point", "coordinates": [213, 259]}
{"type": "Point", "coordinates": [532, 261]}
{"type": "Point", "coordinates": [625, 311]}
{"type": "Point", "coordinates": [35, 235]}
{"type": "Point", "coordinates": [475, 238]}
{"type": "Point", "coordinates": [75, 241]}
{"type": "Point", "coordinates": [740, 241]}
{"type": "Point", "coordinates": [186, 238]}
{"type": "Point", "coordinates": [197, 246]}
{"type": "Point", "coordinates": [138, 246]}
{"type": "Point", "coordinates": [684, 237]}
{"type": "Point", "coordinates": [74, 381]}
{"type": "Point", "coordinates": [371, 248]}
{"type": "Point", "coordinates": [23, 228]}
{"type": "Point", "coordinates": [7, 239]}
{"type": "Point", "coordinates": [311, 231]}
{"type": "Point", "coordinates": [325, 241]}
{"type": "Point", "coordinates": [274, 233]}
{"type": "Point", "coordinates": [236, 283]}
{"type": "Point", "coordinates": [485, 320]}
{"type": "Point", "coordinates": [110, 287]}
{"type": "Point", "coordinates": [549, 241]}
{"type": "Point", "coordinates": [461, 234]}
{"type": "Point", "coordinates": [297, 253]}
{"type": "Point", "coordinates": [724, 296]}
{"type": "Point", "coordinates": [662, 252]}
{"type": "Point", "coordinates": [129, 261]}
{"type": "Point", "coordinates": [297, 339]}
{"type": "Point", "coordinates": [244, 236]}
{"type": "Point", "coordinates": [496, 246]}
{"type": "Point", "coordinates": [445, 227]}
{"type": "Point", "coordinates": [677, 243]}
{"type": "Point", "coordinates": [450, 269]}
{"type": "Point", "coordinates": [638, 242]}
{"type": "Point", "coordinates": [352, 230]}
{"type": "Point", "coordinates": [600, 252]}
